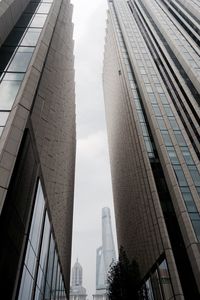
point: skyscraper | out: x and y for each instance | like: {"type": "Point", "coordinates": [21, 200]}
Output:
{"type": "Point", "coordinates": [105, 255]}
{"type": "Point", "coordinates": [151, 81]}
{"type": "Point", "coordinates": [77, 292]}
{"type": "Point", "coordinates": [37, 148]}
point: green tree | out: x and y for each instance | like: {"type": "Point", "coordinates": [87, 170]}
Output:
{"type": "Point", "coordinates": [123, 279]}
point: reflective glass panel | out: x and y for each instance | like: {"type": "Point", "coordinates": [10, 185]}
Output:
{"type": "Point", "coordinates": [173, 123]}
{"type": "Point", "coordinates": [38, 21]}
{"type": "Point", "coordinates": [161, 123]}
{"type": "Point", "coordinates": [8, 92]}
{"type": "Point", "coordinates": [172, 155]}
{"type": "Point", "coordinates": [21, 60]}
{"type": "Point", "coordinates": [44, 8]}
{"type": "Point", "coordinates": [31, 8]}
{"type": "Point", "coordinates": [45, 243]}
{"type": "Point", "coordinates": [30, 259]}
{"type": "Point", "coordinates": [31, 37]}
{"type": "Point", "coordinates": [35, 231]}
{"type": "Point", "coordinates": [168, 110]}
{"type": "Point", "coordinates": [1, 130]}
{"type": "Point", "coordinates": [180, 175]}
{"type": "Point", "coordinates": [180, 139]}
{"type": "Point", "coordinates": [15, 37]}
{"type": "Point", "coordinates": [5, 56]}
{"type": "Point", "coordinates": [165, 280]}
{"type": "Point", "coordinates": [156, 286]}
{"type": "Point", "coordinates": [195, 175]}
{"type": "Point", "coordinates": [24, 20]}
{"type": "Point", "coordinates": [26, 286]}
{"type": "Point", "coordinates": [188, 199]}
{"type": "Point", "coordinates": [53, 286]}
{"type": "Point", "coordinates": [187, 156]}
{"type": "Point", "coordinates": [3, 118]}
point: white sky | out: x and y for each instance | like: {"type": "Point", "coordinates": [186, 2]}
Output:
{"type": "Point", "coordinates": [93, 183]}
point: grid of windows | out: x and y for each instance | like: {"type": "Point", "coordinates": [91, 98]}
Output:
{"type": "Point", "coordinates": [16, 53]}
{"type": "Point", "coordinates": [158, 285]}
{"type": "Point", "coordinates": [158, 98]}
{"type": "Point", "coordinates": [41, 276]}
{"type": "Point", "coordinates": [135, 94]}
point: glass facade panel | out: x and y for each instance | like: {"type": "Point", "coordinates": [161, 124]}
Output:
{"type": "Point", "coordinates": [165, 280]}
{"type": "Point", "coordinates": [172, 155]}
{"type": "Point", "coordinates": [45, 244]}
{"type": "Point", "coordinates": [49, 268]}
{"type": "Point", "coordinates": [30, 259]}
{"type": "Point", "coordinates": [156, 286]}
{"type": "Point", "coordinates": [38, 21]}
{"type": "Point", "coordinates": [166, 138]}
{"type": "Point", "coordinates": [187, 156]}
{"type": "Point", "coordinates": [36, 225]}
{"type": "Point", "coordinates": [21, 59]}
{"type": "Point", "coordinates": [180, 176]}
{"type": "Point", "coordinates": [31, 37]}
{"type": "Point", "coordinates": [26, 285]}
{"type": "Point", "coordinates": [8, 93]}
{"type": "Point", "coordinates": [195, 175]}
{"type": "Point", "coordinates": [44, 8]}
{"type": "Point", "coordinates": [161, 123]}
{"type": "Point", "coordinates": [3, 118]}
{"type": "Point", "coordinates": [42, 267]}
{"type": "Point", "coordinates": [180, 139]}
{"type": "Point", "coordinates": [188, 199]}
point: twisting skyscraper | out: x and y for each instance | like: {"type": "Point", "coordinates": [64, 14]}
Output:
{"type": "Point", "coordinates": [105, 255]}
{"type": "Point", "coordinates": [37, 148]}
{"type": "Point", "coordinates": [151, 81]}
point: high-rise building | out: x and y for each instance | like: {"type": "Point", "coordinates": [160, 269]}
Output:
{"type": "Point", "coordinates": [105, 256]}
{"type": "Point", "coordinates": [77, 291]}
{"type": "Point", "coordinates": [37, 148]}
{"type": "Point", "coordinates": [151, 81]}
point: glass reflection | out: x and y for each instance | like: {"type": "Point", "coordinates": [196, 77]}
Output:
{"type": "Point", "coordinates": [8, 93]}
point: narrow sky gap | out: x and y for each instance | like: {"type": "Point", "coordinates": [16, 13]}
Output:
{"type": "Point", "coordinates": [93, 183]}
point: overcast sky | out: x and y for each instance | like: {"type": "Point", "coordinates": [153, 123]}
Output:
{"type": "Point", "coordinates": [93, 182]}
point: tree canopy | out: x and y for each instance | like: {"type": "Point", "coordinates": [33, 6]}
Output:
{"type": "Point", "coordinates": [123, 279]}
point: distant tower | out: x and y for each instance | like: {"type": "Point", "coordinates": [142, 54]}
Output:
{"type": "Point", "coordinates": [77, 274]}
{"type": "Point", "coordinates": [77, 292]}
{"type": "Point", "coordinates": [104, 256]}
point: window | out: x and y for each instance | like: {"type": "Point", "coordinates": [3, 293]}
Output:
{"type": "Point", "coordinates": [3, 118]}
{"type": "Point", "coordinates": [179, 138]}
{"type": "Point", "coordinates": [156, 110]}
{"type": "Point", "coordinates": [161, 123]}
{"type": "Point", "coordinates": [195, 175]}
{"type": "Point", "coordinates": [187, 156]}
{"type": "Point", "coordinates": [173, 123]}
{"type": "Point", "coordinates": [165, 280]}
{"type": "Point", "coordinates": [31, 37]}
{"type": "Point", "coordinates": [8, 92]}
{"type": "Point", "coordinates": [21, 59]}
{"type": "Point", "coordinates": [180, 175]}
{"type": "Point", "coordinates": [168, 111]}
{"type": "Point", "coordinates": [166, 138]}
{"type": "Point", "coordinates": [188, 199]}
{"type": "Point", "coordinates": [172, 155]}
{"type": "Point", "coordinates": [38, 21]}
{"type": "Point", "coordinates": [163, 99]}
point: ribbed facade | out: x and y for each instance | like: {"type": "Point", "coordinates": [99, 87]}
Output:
{"type": "Point", "coordinates": [151, 81]}
{"type": "Point", "coordinates": [37, 148]}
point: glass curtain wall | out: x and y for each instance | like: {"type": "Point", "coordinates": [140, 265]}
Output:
{"type": "Point", "coordinates": [16, 53]}
{"type": "Point", "coordinates": [41, 276]}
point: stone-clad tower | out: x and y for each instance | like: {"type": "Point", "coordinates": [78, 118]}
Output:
{"type": "Point", "coordinates": [37, 148]}
{"type": "Point", "coordinates": [151, 81]}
